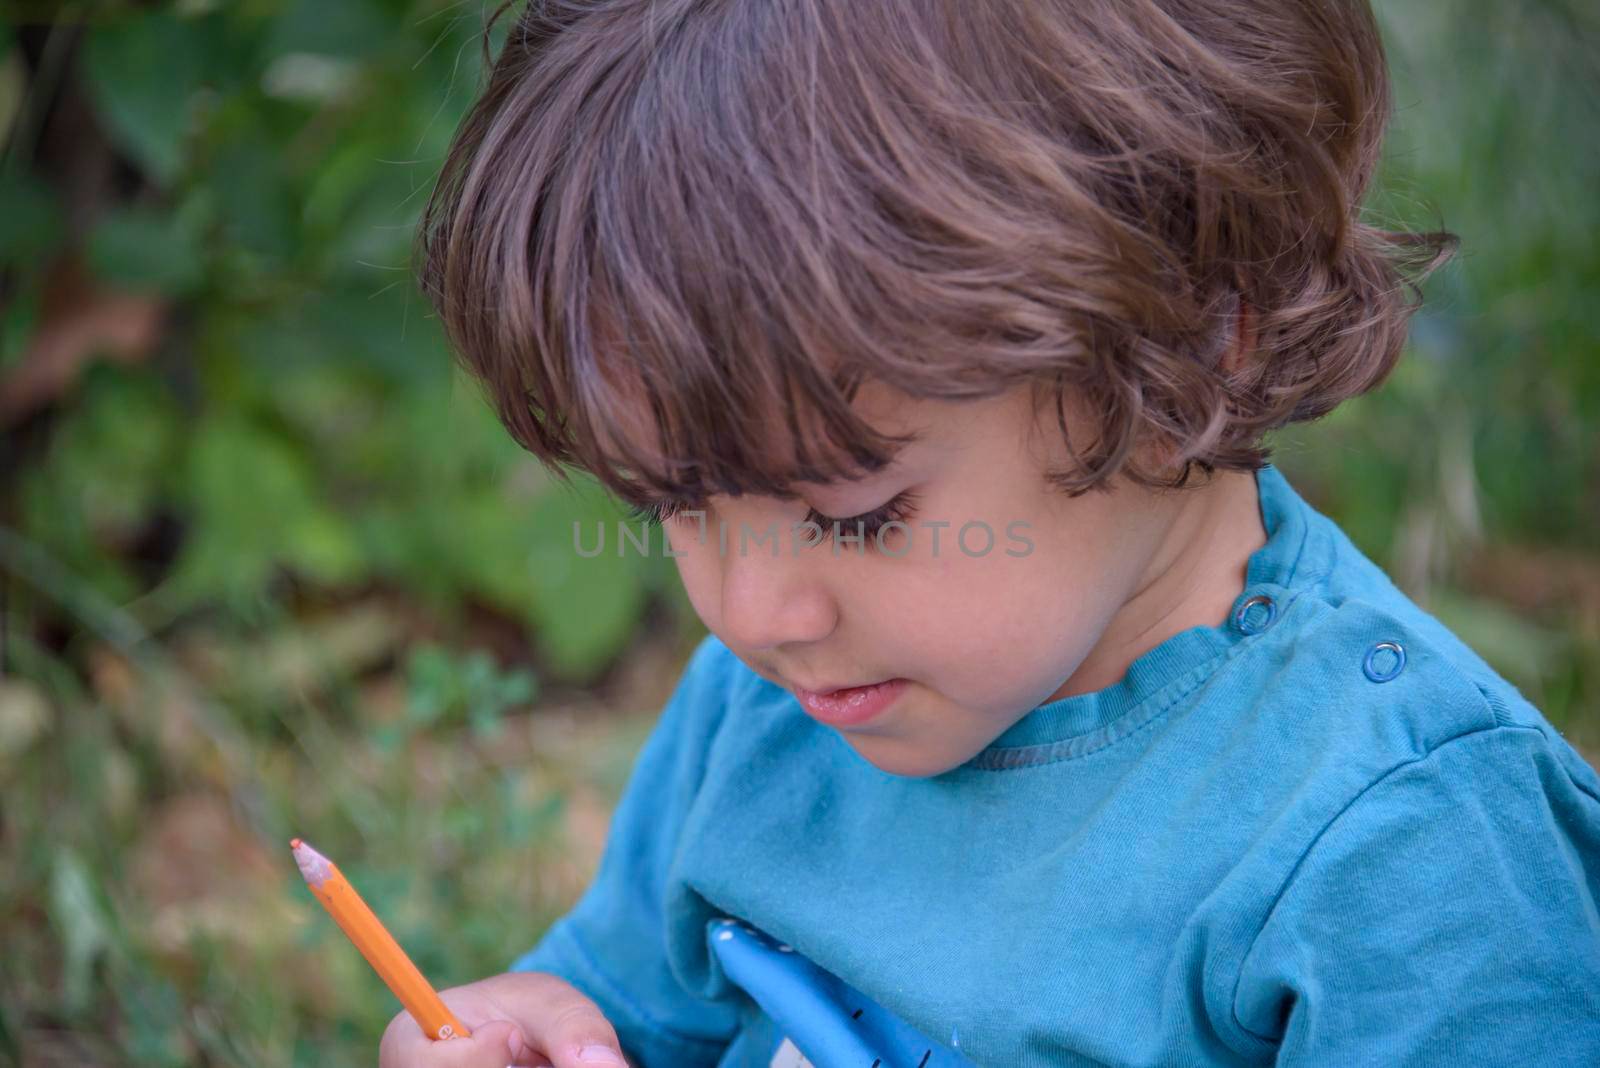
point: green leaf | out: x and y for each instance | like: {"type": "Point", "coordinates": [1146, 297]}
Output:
{"type": "Point", "coordinates": [383, 328]}
{"type": "Point", "coordinates": [146, 249]}
{"type": "Point", "coordinates": [432, 685]}
{"type": "Point", "coordinates": [10, 1044]}
{"type": "Point", "coordinates": [584, 609]}
{"type": "Point", "coordinates": [347, 28]}
{"type": "Point", "coordinates": [529, 822]}
{"type": "Point", "coordinates": [255, 507]}
{"type": "Point", "coordinates": [142, 74]}
{"type": "Point", "coordinates": [254, 202]}
{"type": "Point", "coordinates": [115, 448]}
{"type": "Point", "coordinates": [30, 219]}
{"type": "Point", "coordinates": [443, 685]}
{"type": "Point", "coordinates": [19, 318]}
{"type": "Point", "coordinates": [153, 1033]}
{"type": "Point", "coordinates": [81, 923]}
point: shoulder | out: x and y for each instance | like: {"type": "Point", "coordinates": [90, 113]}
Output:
{"type": "Point", "coordinates": [1497, 822]}
{"type": "Point", "coordinates": [1348, 689]}
{"type": "Point", "coordinates": [1365, 656]}
{"type": "Point", "coordinates": [1382, 739]}
{"type": "Point", "coordinates": [1457, 883]}
{"type": "Point", "coordinates": [1419, 786]}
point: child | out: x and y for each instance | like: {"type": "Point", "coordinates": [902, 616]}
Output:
{"type": "Point", "coordinates": [1041, 721]}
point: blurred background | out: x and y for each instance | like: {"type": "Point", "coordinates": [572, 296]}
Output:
{"type": "Point", "coordinates": [269, 567]}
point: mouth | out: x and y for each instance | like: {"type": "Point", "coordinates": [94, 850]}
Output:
{"type": "Point", "coordinates": [848, 706]}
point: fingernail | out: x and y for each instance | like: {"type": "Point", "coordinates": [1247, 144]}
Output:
{"type": "Point", "coordinates": [514, 1045]}
{"type": "Point", "coordinates": [600, 1055]}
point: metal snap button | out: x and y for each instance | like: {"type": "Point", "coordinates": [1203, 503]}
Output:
{"type": "Point", "coordinates": [1255, 622]}
{"type": "Point", "coordinates": [1377, 674]}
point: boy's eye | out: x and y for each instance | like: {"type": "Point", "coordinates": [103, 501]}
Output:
{"type": "Point", "coordinates": [897, 509]}
{"type": "Point", "coordinates": [659, 512]}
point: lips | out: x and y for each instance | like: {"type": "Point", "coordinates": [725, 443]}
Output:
{"type": "Point", "coordinates": [851, 705]}
{"type": "Point", "coordinates": [828, 691]}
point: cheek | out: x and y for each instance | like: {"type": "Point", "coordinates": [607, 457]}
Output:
{"type": "Point", "coordinates": [700, 572]}
{"type": "Point", "coordinates": [955, 604]}
{"type": "Point", "coordinates": [1011, 615]}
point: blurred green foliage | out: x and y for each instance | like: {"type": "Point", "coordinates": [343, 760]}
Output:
{"type": "Point", "coordinates": [270, 567]}
{"type": "Point", "coordinates": [312, 428]}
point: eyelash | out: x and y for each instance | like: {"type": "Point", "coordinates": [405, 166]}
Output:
{"type": "Point", "coordinates": [655, 513]}
{"type": "Point", "coordinates": [897, 509]}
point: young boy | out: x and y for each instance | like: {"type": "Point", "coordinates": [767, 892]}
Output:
{"type": "Point", "coordinates": [1041, 722]}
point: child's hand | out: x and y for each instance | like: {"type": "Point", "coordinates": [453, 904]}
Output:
{"type": "Point", "coordinates": [517, 1018]}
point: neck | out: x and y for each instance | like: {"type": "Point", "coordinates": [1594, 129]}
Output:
{"type": "Point", "coordinates": [1193, 579]}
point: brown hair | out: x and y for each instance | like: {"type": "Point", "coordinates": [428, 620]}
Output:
{"type": "Point", "coordinates": [711, 221]}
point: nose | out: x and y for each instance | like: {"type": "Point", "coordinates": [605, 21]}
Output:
{"type": "Point", "coordinates": [770, 601]}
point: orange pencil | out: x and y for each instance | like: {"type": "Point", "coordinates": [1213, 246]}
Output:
{"type": "Point", "coordinates": [376, 944]}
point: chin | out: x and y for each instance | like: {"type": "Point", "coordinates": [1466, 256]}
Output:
{"type": "Point", "coordinates": [898, 757]}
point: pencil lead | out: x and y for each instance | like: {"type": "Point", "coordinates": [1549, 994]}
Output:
{"type": "Point", "coordinates": [314, 867]}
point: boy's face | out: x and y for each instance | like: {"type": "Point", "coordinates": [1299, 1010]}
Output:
{"type": "Point", "coordinates": [1068, 593]}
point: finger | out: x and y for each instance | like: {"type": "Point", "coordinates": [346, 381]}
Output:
{"type": "Point", "coordinates": [568, 1027]}
{"type": "Point", "coordinates": [398, 1047]}
{"type": "Point", "coordinates": [493, 1044]}
{"type": "Point", "coordinates": [531, 1058]}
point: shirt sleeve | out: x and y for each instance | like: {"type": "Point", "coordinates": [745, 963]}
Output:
{"type": "Point", "coordinates": [612, 945]}
{"type": "Point", "coordinates": [1446, 917]}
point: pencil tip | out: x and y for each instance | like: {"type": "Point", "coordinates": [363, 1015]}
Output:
{"type": "Point", "coordinates": [313, 865]}
{"type": "Point", "coordinates": [294, 843]}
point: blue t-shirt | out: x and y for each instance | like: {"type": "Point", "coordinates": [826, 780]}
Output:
{"type": "Point", "coordinates": [1324, 832]}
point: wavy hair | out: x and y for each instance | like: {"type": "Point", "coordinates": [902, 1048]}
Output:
{"type": "Point", "coordinates": [673, 237]}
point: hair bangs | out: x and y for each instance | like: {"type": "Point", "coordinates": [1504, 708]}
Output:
{"type": "Point", "coordinates": [673, 237]}
{"type": "Point", "coordinates": [653, 432]}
